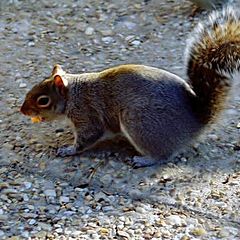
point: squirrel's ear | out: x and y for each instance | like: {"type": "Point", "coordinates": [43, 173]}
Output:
{"type": "Point", "coordinates": [60, 85]}
{"type": "Point", "coordinates": [57, 69]}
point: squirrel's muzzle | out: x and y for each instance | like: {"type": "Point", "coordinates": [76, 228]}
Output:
{"type": "Point", "coordinates": [24, 110]}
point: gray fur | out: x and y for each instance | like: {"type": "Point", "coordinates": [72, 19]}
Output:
{"type": "Point", "coordinates": [153, 108]}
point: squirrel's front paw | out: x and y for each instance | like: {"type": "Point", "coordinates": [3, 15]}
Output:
{"type": "Point", "coordinates": [66, 151]}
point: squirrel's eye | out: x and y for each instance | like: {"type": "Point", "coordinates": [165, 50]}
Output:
{"type": "Point", "coordinates": [43, 101]}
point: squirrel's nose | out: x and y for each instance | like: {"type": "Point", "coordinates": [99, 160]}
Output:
{"type": "Point", "coordinates": [21, 110]}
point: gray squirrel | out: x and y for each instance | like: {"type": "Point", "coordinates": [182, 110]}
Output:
{"type": "Point", "coordinates": [158, 112]}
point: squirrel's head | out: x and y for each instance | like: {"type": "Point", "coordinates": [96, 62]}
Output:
{"type": "Point", "coordinates": [46, 101]}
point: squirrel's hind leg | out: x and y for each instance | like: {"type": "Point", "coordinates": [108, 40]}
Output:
{"type": "Point", "coordinates": [144, 132]}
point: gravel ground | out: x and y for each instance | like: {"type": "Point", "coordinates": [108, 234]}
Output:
{"type": "Point", "coordinates": [97, 195]}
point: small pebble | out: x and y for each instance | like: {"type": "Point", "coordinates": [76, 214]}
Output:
{"type": "Point", "coordinates": [32, 221]}
{"type": "Point", "coordinates": [175, 220]}
{"type": "Point", "coordinates": [89, 31]}
{"type": "Point", "coordinates": [27, 185]}
{"type": "Point", "coordinates": [64, 199]}
{"type": "Point", "coordinates": [198, 231]}
{"type": "Point", "coordinates": [104, 231]}
{"type": "Point", "coordinates": [22, 85]}
{"type": "Point", "coordinates": [1, 233]}
{"type": "Point", "coordinates": [59, 230]}
{"type": "Point", "coordinates": [50, 193]}
{"type": "Point", "coordinates": [107, 40]}
{"type": "Point", "coordinates": [123, 234]}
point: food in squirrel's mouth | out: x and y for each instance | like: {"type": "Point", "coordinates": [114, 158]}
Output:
{"type": "Point", "coordinates": [36, 119]}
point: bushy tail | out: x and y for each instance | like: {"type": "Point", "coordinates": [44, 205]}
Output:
{"type": "Point", "coordinates": [213, 55]}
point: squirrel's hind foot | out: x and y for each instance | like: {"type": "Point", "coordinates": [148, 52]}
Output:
{"type": "Point", "coordinates": [139, 162]}
{"type": "Point", "coordinates": [67, 150]}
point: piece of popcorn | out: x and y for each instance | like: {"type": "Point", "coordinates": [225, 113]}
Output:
{"type": "Point", "coordinates": [36, 119]}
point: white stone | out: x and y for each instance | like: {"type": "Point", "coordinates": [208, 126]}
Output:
{"type": "Point", "coordinates": [45, 226]}
{"type": "Point", "coordinates": [100, 195]}
{"type": "Point", "coordinates": [122, 218]}
{"type": "Point", "coordinates": [25, 234]}
{"type": "Point", "coordinates": [140, 210]}
{"type": "Point", "coordinates": [107, 32]}
{"type": "Point", "coordinates": [27, 185]}
{"type": "Point", "coordinates": [30, 207]}
{"type": "Point", "coordinates": [120, 226]}
{"type": "Point", "coordinates": [59, 230]}
{"type": "Point", "coordinates": [18, 138]}
{"type": "Point", "coordinates": [64, 199]}
{"type": "Point", "coordinates": [130, 25]}
{"type": "Point", "coordinates": [213, 137]}
{"type": "Point", "coordinates": [25, 198]}
{"type": "Point", "coordinates": [1, 233]}
{"type": "Point", "coordinates": [31, 44]}
{"type": "Point", "coordinates": [136, 42]}
{"type": "Point", "coordinates": [107, 40]}
{"type": "Point", "coordinates": [32, 221]}
{"type": "Point", "coordinates": [50, 193]}
{"type": "Point", "coordinates": [130, 38]}
{"type": "Point", "coordinates": [89, 31]}
{"type": "Point", "coordinates": [22, 85]}
{"type": "Point", "coordinates": [175, 220]}
{"type": "Point", "coordinates": [123, 234]}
